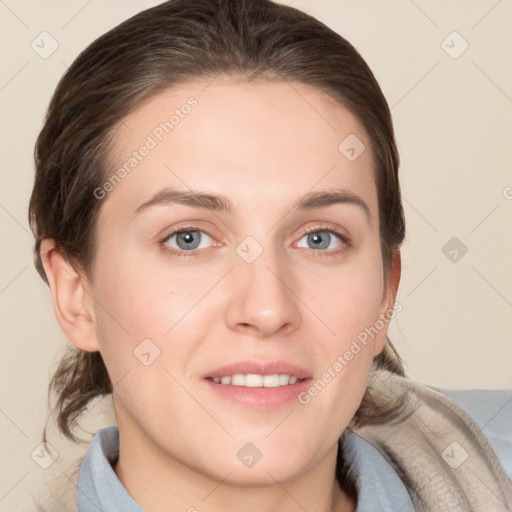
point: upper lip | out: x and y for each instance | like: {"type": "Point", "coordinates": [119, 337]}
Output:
{"type": "Point", "coordinates": [259, 368]}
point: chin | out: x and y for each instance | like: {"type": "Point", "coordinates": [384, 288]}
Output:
{"type": "Point", "coordinates": [249, 466]}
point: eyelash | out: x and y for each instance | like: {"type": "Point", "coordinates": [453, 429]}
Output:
{"type": "Point", "coordinates": [330, 228]}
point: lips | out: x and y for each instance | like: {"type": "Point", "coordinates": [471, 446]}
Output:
{"type": "Point", "coordinates": [246, 390]}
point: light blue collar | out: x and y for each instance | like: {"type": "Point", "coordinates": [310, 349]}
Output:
{"type": "Point", "coordinates": [99, 489]}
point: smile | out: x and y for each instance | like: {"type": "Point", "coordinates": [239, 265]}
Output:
{"type": "Point", "coordinates": [252, 380]}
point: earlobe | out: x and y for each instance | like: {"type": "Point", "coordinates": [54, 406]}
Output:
{"type": "Point", "coordinates": [72, 305]}
{"type": "Point", "coordinates": [388, 301]}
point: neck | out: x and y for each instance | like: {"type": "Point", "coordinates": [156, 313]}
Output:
{"type": "Point", "coordinates": [158, 482]}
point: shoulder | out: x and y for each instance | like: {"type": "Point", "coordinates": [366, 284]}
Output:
{"type": "Point", "coordinates": [492, 411]}
{"type": "Point", "coordinates": [391, 460]}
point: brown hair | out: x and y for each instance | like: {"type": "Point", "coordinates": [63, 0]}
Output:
{"type": "Point", "coordinates": [170, 44]}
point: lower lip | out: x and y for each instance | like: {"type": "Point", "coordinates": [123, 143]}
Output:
{"type": "Point", "coordinates": [261, 398]}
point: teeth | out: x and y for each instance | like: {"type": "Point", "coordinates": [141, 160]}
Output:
{"type": "Point", "coordinates": [238, 380]}
{"type": "Point", "coordinates": [252, 380]}
{"type": "Point", "coordinates": [273, 381]}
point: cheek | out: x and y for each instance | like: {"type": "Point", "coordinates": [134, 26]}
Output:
{"type": "Point", "coordinates": [346, 298]}
{"type": "Point", "coordinates": [132, 293]}
{"type": "Point", "coordinates": [144, 312]}
{"type": "Point", "coordinates": [126, 311]}
{"type": "Point", "coordinates": [350, 306]}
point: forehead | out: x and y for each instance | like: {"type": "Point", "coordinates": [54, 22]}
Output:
{"type": "Point", "coordinates": [248, 141]}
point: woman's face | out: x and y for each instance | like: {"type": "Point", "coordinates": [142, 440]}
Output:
{"type": "Point", "coordinates": [275, 278]}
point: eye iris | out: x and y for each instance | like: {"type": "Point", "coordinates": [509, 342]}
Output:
{"type": "Point", "coordinates": [316, 237]}
{"type": "Point", "coordinates": [188, 238]}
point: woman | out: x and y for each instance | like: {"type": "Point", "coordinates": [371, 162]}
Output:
{"type": "Point", "coordinates": [217, 213]}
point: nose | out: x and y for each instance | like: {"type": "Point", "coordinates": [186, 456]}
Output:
{"type": "Point", "coordinates": [263, 301]}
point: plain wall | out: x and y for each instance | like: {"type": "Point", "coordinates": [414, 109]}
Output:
{"type": "Point", "coordinates": [454, 130]}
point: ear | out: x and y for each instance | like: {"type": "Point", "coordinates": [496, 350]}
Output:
{"type": "Point", "coordinates": [72, 304]}
{"type": "Point", "coordinates": [387, 309]}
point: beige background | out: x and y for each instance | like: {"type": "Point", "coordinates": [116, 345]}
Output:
{"type": "Point", "coordinates": [454, 129]}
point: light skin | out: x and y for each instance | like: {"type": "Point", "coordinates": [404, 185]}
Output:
{"type": "Point", "coordinates": [264, 146]}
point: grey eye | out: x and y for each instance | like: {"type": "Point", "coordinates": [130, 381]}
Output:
{"type": "Point", "coordinates": [319, 239]}
{"type": "Point", "coordinates": [188, 240]}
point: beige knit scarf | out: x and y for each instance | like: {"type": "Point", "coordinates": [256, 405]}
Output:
{"type": "Point", "coordinates": [437, 449]}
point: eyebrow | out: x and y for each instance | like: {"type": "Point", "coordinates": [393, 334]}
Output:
{"type": "Point", "coordinates": [219, 203]}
